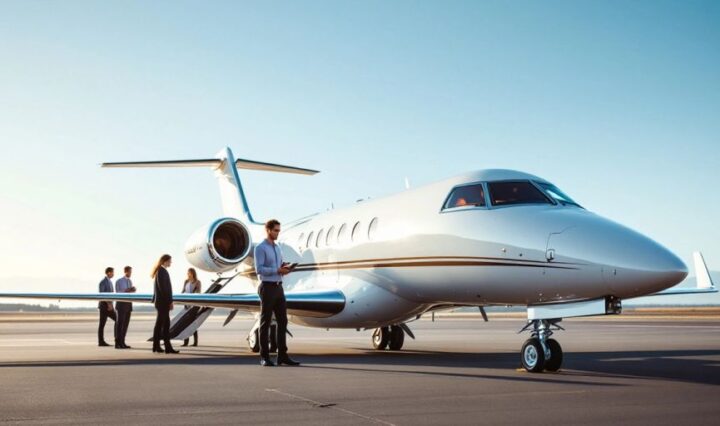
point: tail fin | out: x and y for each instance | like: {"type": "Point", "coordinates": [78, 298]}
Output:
{"type": "Point", "coordinates": [702, 275]}
{"type": "Point", "coordinates": [225, 166]}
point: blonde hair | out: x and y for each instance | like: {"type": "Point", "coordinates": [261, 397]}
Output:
{"type": "Point", "coordinates": [164, 258]}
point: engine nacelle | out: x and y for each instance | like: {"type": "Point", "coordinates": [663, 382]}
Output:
{"type": "Point", "coordinates": [219, 246]}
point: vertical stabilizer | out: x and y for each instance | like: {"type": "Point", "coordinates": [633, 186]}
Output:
{"type": "Point", "coordinates": [232, 195]}
{"type": "Point", "coordinates": [702, 275]}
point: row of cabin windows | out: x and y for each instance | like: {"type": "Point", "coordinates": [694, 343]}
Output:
{"type": "Point", "coordinates": [336, 236]}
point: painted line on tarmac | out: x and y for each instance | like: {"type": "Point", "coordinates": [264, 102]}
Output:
{"type": "Point", "coordinates": [329, 405]}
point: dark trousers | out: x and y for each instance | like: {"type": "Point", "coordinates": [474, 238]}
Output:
{"type": "Point", "coordinates": [124, 310]}
{"type": "Point", "coordinates": [272, 301]}
{"type": "Point", "coordinates": [162, 326]}
{"type": "Point", "coordinates": [104, 314]}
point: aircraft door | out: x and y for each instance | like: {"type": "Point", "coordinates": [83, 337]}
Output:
{"type": "Point", "coordinates": [568, 273]}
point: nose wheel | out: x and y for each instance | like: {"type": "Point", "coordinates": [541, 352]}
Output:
{"type": "Point", "coordinates": [540, 352]}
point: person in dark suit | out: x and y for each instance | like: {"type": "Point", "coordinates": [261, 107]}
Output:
{"type": "Point", "coordinates": [163, 300]}
{"type": "Point", "coordinates": [105, 308]}
{"type": "Point", "coordinates": [124, 309]}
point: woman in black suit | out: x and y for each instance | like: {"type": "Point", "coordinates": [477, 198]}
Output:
{"type": "Point", "coordinates": [163, 300]}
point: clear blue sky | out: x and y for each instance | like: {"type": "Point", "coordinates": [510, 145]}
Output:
{"type": "Point", "coordinates": [618, 103]}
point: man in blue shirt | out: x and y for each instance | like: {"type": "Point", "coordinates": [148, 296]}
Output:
{"type": "Point", "coordinates": [270, 269]}
{"type": "Point", "coordinates": [105, 308]}
{"type": "Point", "coordinates": [124, 309]}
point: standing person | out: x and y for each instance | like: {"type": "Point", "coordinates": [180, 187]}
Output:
{"type": "Point", "coordinates": [105, 308]}
{"type": "Point", "coordinates": [124, 309]}
{"type": "Point", "coordinates": [163, 300]}
{"type": "Point", "coordinates": [270, 269]}
{"type": "Point", "coordinates": [192, 285]}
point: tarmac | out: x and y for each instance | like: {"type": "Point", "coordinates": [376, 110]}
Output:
{"type": "Point", "coordinates": [634, 370]}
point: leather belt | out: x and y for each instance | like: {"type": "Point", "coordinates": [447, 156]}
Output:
{"type": "Point", "coordinates": [272, 282]}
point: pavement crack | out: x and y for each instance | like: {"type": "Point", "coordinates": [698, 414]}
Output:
{"type": "Point", "coordinates": [330, 405]}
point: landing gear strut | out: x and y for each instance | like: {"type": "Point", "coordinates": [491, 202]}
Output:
{"type": "Point", "coordinates": [392, 337]}
{"type": "Point", "coordinates": [540, 352]}
{"type": "Point", "coordinates": [253, 339]}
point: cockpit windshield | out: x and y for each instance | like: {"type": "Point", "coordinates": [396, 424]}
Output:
{"type": "Point", "coordinates": [464, 196]}
{"type": "Point", "coordinates": [557, 194]}
{"type": "Point", "coordinates": [507, 193]}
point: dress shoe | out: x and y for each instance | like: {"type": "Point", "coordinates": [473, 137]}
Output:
{"type": "Point", "coordinates": [157, 349]}
{"type": "Point", "coordinates": [124, 346]}
{"type": "Point", "coordinates": [170, 350]}
{"type": "Point", "coordinates": [118, 346]}
{"type": "Point", "coordinates": [103, 344]}
{"type": "Point", "coordinates": [265, 362]}
{"type": "Point", "coordinates": [287, 361]}
{"type": "Point", "coordinates": [185, 343]}
{"type": "Point", "coordinates": [195, 344]}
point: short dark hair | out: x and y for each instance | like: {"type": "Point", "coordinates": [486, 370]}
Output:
{"type": "Point", "coordinates": [127, 268]}
{"type": "Point", "coordinates": [109, 269]}
{"type": "Point", "coordinates": [270, 224]}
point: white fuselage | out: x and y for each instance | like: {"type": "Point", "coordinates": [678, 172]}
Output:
{"type": "Point", "coordinates": [398, 256]}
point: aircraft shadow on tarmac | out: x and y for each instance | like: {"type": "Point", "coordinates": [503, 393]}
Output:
{"type": "Point", "coordinates": [680, 365]}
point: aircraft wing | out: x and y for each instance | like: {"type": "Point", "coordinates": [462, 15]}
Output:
{"type": "Point", "coordinates": [317, 304]}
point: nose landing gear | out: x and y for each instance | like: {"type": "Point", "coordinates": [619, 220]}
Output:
{"type": "Point", "coordinates": [540, 352]}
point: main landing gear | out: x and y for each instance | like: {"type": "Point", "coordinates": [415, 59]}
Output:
{"type": "Point", "coordinates": [391, 337]}
{"type": "Point", "coordinates": [253, 339]}
{"type": "Point", "coordinates": [540, 352]}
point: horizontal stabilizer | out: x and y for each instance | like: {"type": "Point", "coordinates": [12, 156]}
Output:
{"type": "Point", "coordinates": [269, 167]}
{"type": "Point", "coordinates": [317, 304]}
{"type": "Point", "coordinates": [240, 163]}
{"type": "Point", "coordinates": [209, 162]}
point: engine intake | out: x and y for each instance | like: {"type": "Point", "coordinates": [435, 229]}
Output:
{"type": "Point", "coordinates": [219, 246]}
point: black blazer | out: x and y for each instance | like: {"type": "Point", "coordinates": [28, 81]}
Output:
{"type": "Point", "coordinates": [163, 295]}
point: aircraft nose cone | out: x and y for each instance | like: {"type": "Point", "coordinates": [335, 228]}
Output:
{"type": "Point", "coordinates": [632, 264]}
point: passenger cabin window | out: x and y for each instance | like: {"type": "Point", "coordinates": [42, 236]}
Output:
{"type": "Point", "coordinates": [320, 237]}
{"type": "Point", "coordinates": [309, 240]}
{"type": "Point", "coordinates": [511, 193]}
{"type": "Point", "coordinates": [330, 236]}
{"type": "Point", "coordinates": [372, 229]}
{"type": "Point", "coordinates": [468, 195]}
{"type": "Point", "coordinates": [301, 240]}
{"type": "Point", "coordinates": [342, 234]}
{"type": "Point", "coordinates": [355, 232]}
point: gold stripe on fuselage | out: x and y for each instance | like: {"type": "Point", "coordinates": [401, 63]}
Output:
{"type": "Point", "coordinates": [425, 261]}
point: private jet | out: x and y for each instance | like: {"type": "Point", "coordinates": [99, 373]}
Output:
{"type": "Point", "coordinates": [485, 238]}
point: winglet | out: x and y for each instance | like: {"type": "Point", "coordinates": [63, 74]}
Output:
{"type": "Point", "coordinates": [702, 275]}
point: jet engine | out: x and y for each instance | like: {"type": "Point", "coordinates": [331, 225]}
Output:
{"type": "Point", "coordinates": [219, 246]}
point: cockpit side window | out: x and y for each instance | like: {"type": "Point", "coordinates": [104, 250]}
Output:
{"type": "Point", "coordinates": [557, 194]}
{"type": "Point", "coordinates": [468, 195]}
{"type": "Point", "coordinates": [515, 192]}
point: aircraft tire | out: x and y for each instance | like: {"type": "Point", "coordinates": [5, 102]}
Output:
{"type": "Point", "coordinates": [253, 341]}
{"type": "Point", "coordinates": [273, 338]}
{"type": "Point", "coordinates": [532, 356]}
{"type": "Point", "coordinates": [556, 356]}
{"type": "Point", "coordinates": [380, 338]}
{"type": "Point", "coordinates": [397, 338]}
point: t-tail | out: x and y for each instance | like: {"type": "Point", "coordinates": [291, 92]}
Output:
{"type": "Point", "coordinates": [225, 166]}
